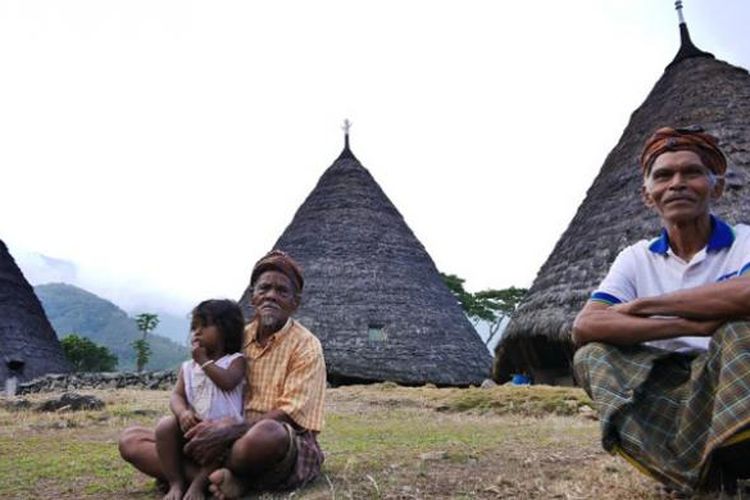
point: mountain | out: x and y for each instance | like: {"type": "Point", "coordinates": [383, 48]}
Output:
{"type": "Point", "coordinates": [73, 310]}
{"type": "Point", "coordinates": [41, 269]}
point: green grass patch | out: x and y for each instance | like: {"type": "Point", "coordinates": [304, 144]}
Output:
{"type": "Point", "coordinates": [380, 441]}
{"type": "Point", "coordinates": [530, 401]}
{"type": "Point", "coordinates": [384, 437]}
{"type": "Point", "coordinates": [58, 463]}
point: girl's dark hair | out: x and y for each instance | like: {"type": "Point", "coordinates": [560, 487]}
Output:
{"type": "Point", "coordinates": [225, 315]}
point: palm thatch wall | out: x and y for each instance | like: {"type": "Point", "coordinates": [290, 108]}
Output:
{"type": "Point", "coordinates": [28, 345]}
{"type": "Point", "coordinates": [372, 293]}
{"type": "Point", "coordinates": [694, 89]}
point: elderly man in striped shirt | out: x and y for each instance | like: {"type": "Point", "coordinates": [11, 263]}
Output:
{"type": "Point", "coordinates": [276, 447]}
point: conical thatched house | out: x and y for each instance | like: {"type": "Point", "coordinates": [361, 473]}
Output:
{"type": "Point", "coordinates": [28, 346]}
{"type": "Point", "coordinates": [372, 293]}
{"type": "Point", "coordinates": [694, 89]}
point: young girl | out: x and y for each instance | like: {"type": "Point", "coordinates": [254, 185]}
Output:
{"type": "Point", "coordinates": [209, 387]}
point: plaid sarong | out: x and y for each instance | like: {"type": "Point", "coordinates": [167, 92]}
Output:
{"type": "Point", "coordinates": [307, 463]}
{"type": "Point", "coordinates": [667, 412]}
{"type": "Point", "coordinates": [300, 465]}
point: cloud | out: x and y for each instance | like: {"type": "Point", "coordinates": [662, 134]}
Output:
{"type": "Point", "coordinates": [132, 295]}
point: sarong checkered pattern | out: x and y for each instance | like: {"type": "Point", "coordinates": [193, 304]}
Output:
{"type": "Point", "coordinates": [307, 464]}
{"type": "Point", "coordinates": [301, 464]}
{"type": "Point", "coordinates": [667, 412]}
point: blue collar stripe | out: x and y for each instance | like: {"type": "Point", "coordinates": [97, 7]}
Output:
{"type": "Point", "coordinates": [722, 236]}
{"type": "Point", "coordinates": [605, 297]}
{"type": "Point", "coordinates": [744, 269]}
{"type": "Point", "coordinates": [661, 244]}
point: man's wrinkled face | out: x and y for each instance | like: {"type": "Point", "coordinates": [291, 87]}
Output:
{"type": "Point", "coordinates": [274, 299]}
{"type": "Point", "coordinates": [680, 187]}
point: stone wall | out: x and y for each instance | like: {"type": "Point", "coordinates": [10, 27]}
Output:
{"type": "Point", "coordinates": [116, 380]}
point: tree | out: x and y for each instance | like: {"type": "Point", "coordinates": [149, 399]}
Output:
{"type": "Point", "coordinates": [86, 356]}
{"type": "Point", "coordinates": [490, 305]}
{"type": "Point", "coordinates": [146, 323]}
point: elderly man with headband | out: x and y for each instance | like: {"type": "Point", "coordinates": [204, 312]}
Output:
{"type": "Point", "coordinates": [276, 447]}
{"type": "Point", "coordinates": [666, 351]}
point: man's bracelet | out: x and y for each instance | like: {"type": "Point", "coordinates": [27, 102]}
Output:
{"type": "Point", "coordinates": [209, 362]}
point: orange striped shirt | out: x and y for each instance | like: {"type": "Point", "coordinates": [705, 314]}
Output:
{"type": "Point", "coordinates": [287, 374]}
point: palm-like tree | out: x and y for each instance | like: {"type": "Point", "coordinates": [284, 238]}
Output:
{"type": "Point", "coordinates": [146, 323]}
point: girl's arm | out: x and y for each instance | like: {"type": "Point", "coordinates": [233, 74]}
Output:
{"type": "Point", "coordinates": [179, 405]}
{"type": "Point", "coordinates": [226, 379]}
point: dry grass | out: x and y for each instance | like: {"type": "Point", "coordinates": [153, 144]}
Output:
{"type": "Point", "coordinates": [381, 441]}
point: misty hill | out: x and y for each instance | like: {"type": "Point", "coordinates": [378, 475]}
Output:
{"type": "Point", "coordinates": [73, 310]}
{"type": "Point", "coordinates": [40, 269]}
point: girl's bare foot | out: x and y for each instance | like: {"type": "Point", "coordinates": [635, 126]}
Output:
{"type": "Point", "coordinates": [224, 485]}
{"type": "Point", "coordinates": [175, 492]}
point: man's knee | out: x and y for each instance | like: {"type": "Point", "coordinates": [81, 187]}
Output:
{"type": "Point", "coordinates": [131, 441]}
{"type": "Point", "coordinates": [585, 354]}
{"type": "Point", "coordinates": [732, 333]}
{"type": "Point", "coordinates": [128, 443]}
{"type": "Point", "coordinates": [584, 357]}
{"type": "Point", "coordinates": [269, 435]}
{"type": "Point", "coordinates": [167, 426]}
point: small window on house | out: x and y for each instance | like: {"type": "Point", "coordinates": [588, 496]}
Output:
{"type": "Point", "coordinates": [375, 333]}
{"type": "Point", "coordinates": [15, 366]}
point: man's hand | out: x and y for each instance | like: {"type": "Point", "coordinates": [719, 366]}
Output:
{"type": "Point", "coordinates": [701, 327]}
{"type": "Point", "coordinates": [709, 326]}
{"type": "Point", "coordinates": [207, 441]}
{"type": "Point", "coordinates": [188, 419]}
{"type": "Point", "coordinates": [630, 308]}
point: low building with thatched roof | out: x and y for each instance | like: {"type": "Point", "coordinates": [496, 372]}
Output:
{"type": "Point", "coordinates": [372, 293]}
{"type": "Point", "coordinates": [28, 345]}
{"type": "Point", "coordinates": [694, 89]}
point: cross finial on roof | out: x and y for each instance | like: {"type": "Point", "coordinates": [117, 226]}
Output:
{"type": "Point", "coordinates": [345, 127]}
{"type": "Point", "coordinates": [687, 48]}
{"type": "Point", "coordinates": [678, 7]}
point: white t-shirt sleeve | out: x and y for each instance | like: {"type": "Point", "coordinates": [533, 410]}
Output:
{"type": "Point", "coordinates": [619, 284]}
{"type": "Point", "coordinates": [745, 269]}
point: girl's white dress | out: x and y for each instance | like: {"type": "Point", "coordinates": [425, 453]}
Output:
{"type": "Point", "coordinates": [207, 400]}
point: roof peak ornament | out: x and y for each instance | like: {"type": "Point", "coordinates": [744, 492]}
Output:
{"type": "Point", "coordinates": [346, 153]}
{"type": "Point", "coordinates": [687, 48]}
{"type": "Point", "coordinates": [678, 8]}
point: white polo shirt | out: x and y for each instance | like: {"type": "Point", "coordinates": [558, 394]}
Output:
{"type": "Point", "coordinates": [650, 268]}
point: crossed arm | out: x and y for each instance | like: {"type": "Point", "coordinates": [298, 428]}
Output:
{"type": "Point", "coordinates": [695, 311]}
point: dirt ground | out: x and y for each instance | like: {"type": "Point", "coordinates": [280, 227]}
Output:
{"type": "Point", "coordinates": [381, 441]}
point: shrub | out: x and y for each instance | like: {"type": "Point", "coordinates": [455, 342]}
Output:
{"type": "Point", "coordinates": [86, 356]}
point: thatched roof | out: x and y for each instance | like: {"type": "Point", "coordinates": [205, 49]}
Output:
{"type": "Point", "coordinates": [372, 293]}
{"type": "Point", "coordinates": [28, 345]}
{"type": "Point", "coordinates": [694, 89]}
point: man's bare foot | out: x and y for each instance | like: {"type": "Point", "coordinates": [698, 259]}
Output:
{"type": "Point", "coordinates": [224, 485]}
{"type": "Point", "coordinates": [175, 492]}
{"type": "Point", "coordinates": [196, 490]}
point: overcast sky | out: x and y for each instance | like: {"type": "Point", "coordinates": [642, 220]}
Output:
{"type": "Point", "coordinates": [163, 146]}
